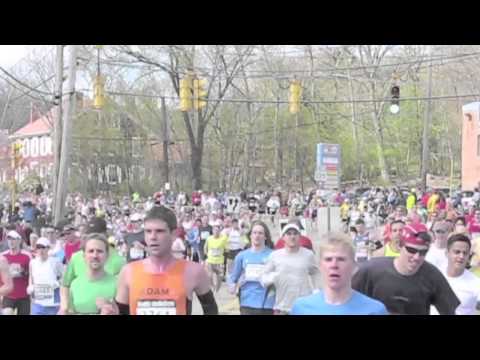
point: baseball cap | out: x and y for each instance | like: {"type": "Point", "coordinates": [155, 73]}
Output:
{"type": "Point", "coordinates": [290, 227]}
{"type": "Point", "coordinates": [43, 242]}
{"type": "Point", "coordinates": [410, 234]}
{"type": "Point", "coordinates": [13, 234]}
{"type": "Point", "coordinates": [97, 225]}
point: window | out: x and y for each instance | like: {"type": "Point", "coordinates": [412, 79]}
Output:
{"type": "Point", "coordinates": [42, 150]}
{"type": "Point", "coordinates": [34, 146]}
{"type": "Point", "coordinates": [112, 174]}
{"type": "Point", "coordinates": [48, 145]}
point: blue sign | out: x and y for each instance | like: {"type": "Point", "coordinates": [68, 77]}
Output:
{"type": "Point", "coordinates": [328, 165]}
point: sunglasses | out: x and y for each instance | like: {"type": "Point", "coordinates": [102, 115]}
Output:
{"type": "Point", "coordinates": [440, 232]}
{"type": "Point", "coordinates": [414, 251]}
{"type": "Point", "coordinates": [40, 247]}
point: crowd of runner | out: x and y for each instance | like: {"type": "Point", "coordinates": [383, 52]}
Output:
{"type": "Point", "coordinates": [398, 252]}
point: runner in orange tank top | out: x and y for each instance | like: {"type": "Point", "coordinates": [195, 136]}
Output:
{"type": "Point", "coordinates": [162, 284]}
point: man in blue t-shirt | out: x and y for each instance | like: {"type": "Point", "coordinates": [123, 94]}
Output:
{"type": "Point", "coordinates": [337, 265]}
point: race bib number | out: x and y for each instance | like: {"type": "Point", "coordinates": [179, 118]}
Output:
{"type": "Point", "coordinates": [156, 307]}
{"type": "Point", "coordinates": [16, 270]}
{"type": "Point", "coordinates": [43, 292]}
{"type": "Point", "coordinates": [136, 253]}
{"type": "Point", "coordinates": [216, 252]}
{"type": "Point", "coordinates": [254, 271]}
{"type": "Point", "coordinates": [204, 235]}
{"type": "Point", "coordinates": [362, 251]}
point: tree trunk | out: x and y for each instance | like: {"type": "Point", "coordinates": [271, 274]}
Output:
{"type": "Point", "coordinates": [379, 139]}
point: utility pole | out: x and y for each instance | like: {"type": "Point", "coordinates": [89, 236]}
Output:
{"type": "Point", "coordinates": [62, 181]}
{"type": "Point", "coordinates": [354, 126]}
{"type": "Point", "coordinates": [426, 125]}
{"type": "Point", "coordinates": [275, 135]}
{"type": "Point", "coordinates": [57, 121]}
{"type": "Point", "coordinates": [166, 141]}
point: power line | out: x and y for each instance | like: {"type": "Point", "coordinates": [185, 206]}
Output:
{"type": "Point", "coordinates": [22, 83]}
{"type": "Point", "coordinates": [254, 101]}
{"type": "Point", "coordinates": [266, 73]}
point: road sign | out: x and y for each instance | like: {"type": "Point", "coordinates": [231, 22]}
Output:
{"type": "Point", "coordinates": [327, 172]}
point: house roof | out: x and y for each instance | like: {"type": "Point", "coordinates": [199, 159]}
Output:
{"type": "Point", "coordinates": [40, 126]}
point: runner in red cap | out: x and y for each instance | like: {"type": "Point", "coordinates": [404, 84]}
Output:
{"type": "Point", "coordinates": [407, 284]}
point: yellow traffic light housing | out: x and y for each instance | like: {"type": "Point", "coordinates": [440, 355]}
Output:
{"type": "Point", "coordinates": [295, 96]}
{"type": "Point", "coordinates": [99, 92]}
{"type": "Point", "coordinates": [186, 92]}
{"type": "Point", "coordinates": [200, 93]}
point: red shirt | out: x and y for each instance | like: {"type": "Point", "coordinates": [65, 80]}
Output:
{"type": "Point", "coordinates": [180, 233]}
{"type": "Point", "coordinates": [304, 241]}
{"type": "Point", "coordinates": [473, 227]}
{"type": "Point", "coordinates": [71, 248]}
{"type": "Point", "coordinates": [196, 198]}
{"type": "Point", "coordinates": [18, 265]}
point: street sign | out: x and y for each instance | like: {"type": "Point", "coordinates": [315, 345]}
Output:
{"type": "Point", "coordinates": [327, 172]}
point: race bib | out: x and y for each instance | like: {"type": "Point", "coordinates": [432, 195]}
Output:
{"type": "Point", "coordinates": [43, 292]}
{"type": "Point", "coordinates": [362, 251]}
{"type": "Point", "coordinates": [136, 253]}
{"type": "Point", "coordinates": [16, 270]}
{"type": "Point", "coordinates": [156, 307]}
{"type": "Point", "coordinates": [254, 271]}
{"type": "Point", "coordinates": [216, 252]}
{"type": "Point", "coordinates": [204, 235]}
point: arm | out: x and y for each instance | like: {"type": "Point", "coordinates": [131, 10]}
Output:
{"type": "Point", "coordinates": [314, 273]}
{"type": "Point", "coordinates": [379, 252]}
{"type": "Point", "coordinates": [30, 280]}
{"type": "Point", "coordinates": [122, 298]}
{"type": "Point", "coordinates": [269, 275]}
{"type": "Point", "coordinates": [7, 286]}
{"type": "Point", "coordinates": [236, 273]}
{"type": "Point", "coordinates": [204, 293]}
{"type": "Point", "coordinates": [68, 277]}
{"type": "Point", "coordinates": [445, 299]}
{"type": "Point", "coordinates": [205, 247]}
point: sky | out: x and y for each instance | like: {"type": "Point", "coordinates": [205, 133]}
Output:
{"type": "Point", "coordinates": [11, 54]}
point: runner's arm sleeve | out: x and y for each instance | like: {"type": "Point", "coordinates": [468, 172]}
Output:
{"type": "Point", "coordinates": [209, 305]}
{"type": "Point", "coordinates": [269, 274]}
{"type": "Point", "coordinates": [236, 271]}
{"type": "Point", "coordinates": [69, 275]}
{"type": "Point", "coordinates": [445, 299]}
{"type": "Point", "coordinates": [123, 309]}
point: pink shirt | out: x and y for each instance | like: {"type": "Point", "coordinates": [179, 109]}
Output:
{"type": "Point", "coordinates": [18, 265]}
{"type": "Point", "coordinates": [71, 248]}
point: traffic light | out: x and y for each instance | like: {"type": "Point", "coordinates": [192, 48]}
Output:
{"type": "Point", "coordinates": [295, 95]}
{"type": "Point", "coordinates": [395, 102]}
{"type": "Point", "coordinates": [99, 92]}
{"type": "Point", "coordinates": [186, 89]}
{"type": "Point", "coordinates": [16, 156]}
{"type": "Point", "coordinates": [200, 93]}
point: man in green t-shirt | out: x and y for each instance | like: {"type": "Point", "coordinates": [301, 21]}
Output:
{"type": "Point", "coordinates": [90, 291]}
{"type": "Point", "coordinates": [78, 266]}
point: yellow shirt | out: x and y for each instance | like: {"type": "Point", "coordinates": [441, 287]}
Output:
{"type": "Point", "coordinates": [389, 252]}
{"type": "Point", "coordinates": [216, 248]}
{"type": "Point", "coordinates": [344, 210]}
{"type": "Point", "coordinates": [432, 203]}
{"type": "Point", "coordinates": [476, 271]}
